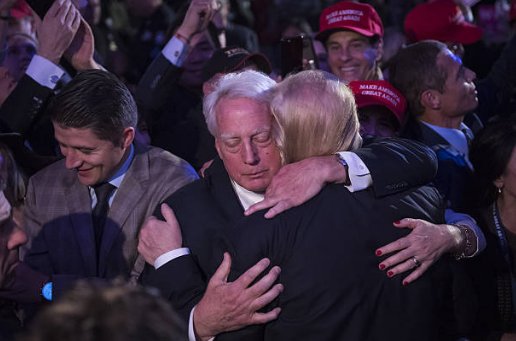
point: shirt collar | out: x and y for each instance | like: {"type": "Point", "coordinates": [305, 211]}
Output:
{"type": "Point", "coordinates": [455, 137]}
{"type": "Point", "coordinates": [116, 180]}
{"type": "Point", "coordinates": [247, 198]}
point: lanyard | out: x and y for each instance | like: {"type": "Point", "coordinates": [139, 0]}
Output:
{"type": "Point", "coordinates": [504, 245]}
{"type": "Point", "coordinates": [502, 239]}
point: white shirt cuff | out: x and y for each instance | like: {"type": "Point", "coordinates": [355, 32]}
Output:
{"type": "Point", "coordinates": [453, 217]}
{"type": "Point", "coordinates": [44, 72]}
{"type": "Point", "coordinates": [175, 51]}
{"type": "Point", "coordinates": [358, 173]}
{"type": "Point", "coordinates": [170, 256]}
{"type": "Point", "coordinates": [191, 332]}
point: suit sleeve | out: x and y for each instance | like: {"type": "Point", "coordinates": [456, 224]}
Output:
{"type": "Point", "coordinates": [36, 255]}
{"type": "Point", "coordinates": [157, 83]}
{"type": "Point", "coordinates": [398, 164]}
{"type": "Point", "coordinates": [24, 105]}
{"type": "Point", "coordinates": [180, 281]}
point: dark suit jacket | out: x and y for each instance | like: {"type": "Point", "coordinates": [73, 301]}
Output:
{"type": "Point", "coordinates": [23, 113]}
{"type": "Point", "coordinates": [454, 178]}
{"type": "Point", "coordinates": [58, 219]}
{"type": "Point", "coordinates": [173, 114]}
{"type": "Point", "coordinates": [206, 210]}
{"type": "Point", "coordinates": [333, 287]}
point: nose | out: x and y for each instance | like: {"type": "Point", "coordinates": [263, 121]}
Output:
{"type": "Point", "coordinates": [344, 53]}
{"type": "Point", "coordinates": [72, 160]}
{"type": "Point", "coordinates": [470, 75]}
{"type": "Point", "coordinates": [17, 238]}
{"type": "Point", "coordinates": [250, 154]}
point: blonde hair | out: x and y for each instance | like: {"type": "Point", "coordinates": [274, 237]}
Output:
{"type": "Point", "coordinates": [315, 115]}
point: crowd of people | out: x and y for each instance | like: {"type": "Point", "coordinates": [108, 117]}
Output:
{"type": "Point", "coordinates": [160, 180]}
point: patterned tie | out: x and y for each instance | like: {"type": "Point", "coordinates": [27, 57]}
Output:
{"type": "Point", "coordinates": [99, 213]}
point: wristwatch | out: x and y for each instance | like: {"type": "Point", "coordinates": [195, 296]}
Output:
{"type": "Point", "coordinates": [344, 164]}
{"type": "Point", "coordinates": [46, 291]}
{"type": "Point", "coordinates": [342, 161]}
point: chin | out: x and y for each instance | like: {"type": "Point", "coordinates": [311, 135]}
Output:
{"type": "Point", "coordinates": [256, 187]}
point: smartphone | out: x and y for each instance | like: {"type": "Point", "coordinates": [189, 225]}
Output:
{"type": "Point", "coordinates": [297, 53]}
{"type": "Point", "coordinates": [40, 6]}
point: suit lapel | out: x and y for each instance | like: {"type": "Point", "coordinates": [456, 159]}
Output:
{"type": "Point", "coordinates": [430, 137]}
{"type": "Point", "coordinates": [79, 206]}
{"type": "Point", "coordinates": [126, 198]}
{"type": "Point", "coordinates": [223, 192]}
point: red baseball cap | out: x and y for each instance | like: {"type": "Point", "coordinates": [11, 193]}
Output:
{"type": "Point", "coordinates": [440, 20]}
{"type": "Point", "coordinates": [380, 93]}
{"type": "Point", "coordinates": [346, 15]}
{"type": "Point", "coordinates": [20, 10]}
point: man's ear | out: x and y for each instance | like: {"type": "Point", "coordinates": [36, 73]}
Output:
{"type": "Point", "coordinates": [128, 137]}
{"type": "Point", "coordinates": [430, 99]}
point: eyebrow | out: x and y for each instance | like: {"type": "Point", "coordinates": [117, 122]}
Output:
{"type": "Point", "coordinates": [254, 132]}
{"type": "Point", "coordinates": [75, 147]}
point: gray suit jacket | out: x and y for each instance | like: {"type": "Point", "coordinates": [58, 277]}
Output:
{"type": "Point", "coordinates": [58, 218]}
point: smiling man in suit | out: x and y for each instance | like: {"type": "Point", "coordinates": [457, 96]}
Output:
{"type": "Point", "coordinates": [83, 213]}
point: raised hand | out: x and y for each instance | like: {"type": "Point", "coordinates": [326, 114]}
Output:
{"type": "Point", "coordinates": [57, 30]}
{"type": "Point", "coordinates": [197, 18]}
{"type": "Point", "coordinates": [81, 50]}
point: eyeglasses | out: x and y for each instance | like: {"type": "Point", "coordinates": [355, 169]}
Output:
{"type": "Point", "coordinates": [456, 48]}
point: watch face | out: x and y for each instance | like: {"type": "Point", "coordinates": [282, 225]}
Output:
{"type": "Point", "coordinates": [46, 291]}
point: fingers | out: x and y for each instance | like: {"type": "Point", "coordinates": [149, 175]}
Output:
{"type": "Point", "coordinates": [222, 273]}
{"type": "Point", "coordinates": [54, 10]}
{"type": "Point", "coordinates": [65, 12]}
{"type": "Point", "coordinates": [281, 206]}
{"type": "Point", "coordinates": [261, 318]}
{"type": "Point", "coordinates": [265, 203]}
{"type": "Point", "coordinates": [402, 266]}
{"type": "Point", "coordinates": [250, 275]}
{"type": "Point", "coordinates": [76, 21]}
{"type": "Point", "coordinates": [397, 245]}
{"type": "Point", "coordinates": [418, 272]}
{"type": "Point", "coordinates": [265, 282]}
{"type": "Point", "coordinates": [276, 207]}
{"type": "Point", "coordinates": [168, 214]}
{"type": "Point", "coordinates": [407, 222]}
{"type": "Point", "coordinates": [70, 13]}
{"type": "Point", "coordinates": [395, 259]}
{"type": "Point", "coordinates": [267, 297]}
{"type": "Point", "coordinates": [415, 274]}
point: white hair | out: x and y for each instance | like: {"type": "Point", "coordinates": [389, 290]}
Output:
{"type": "Point", "coordinates": [246, 84]}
